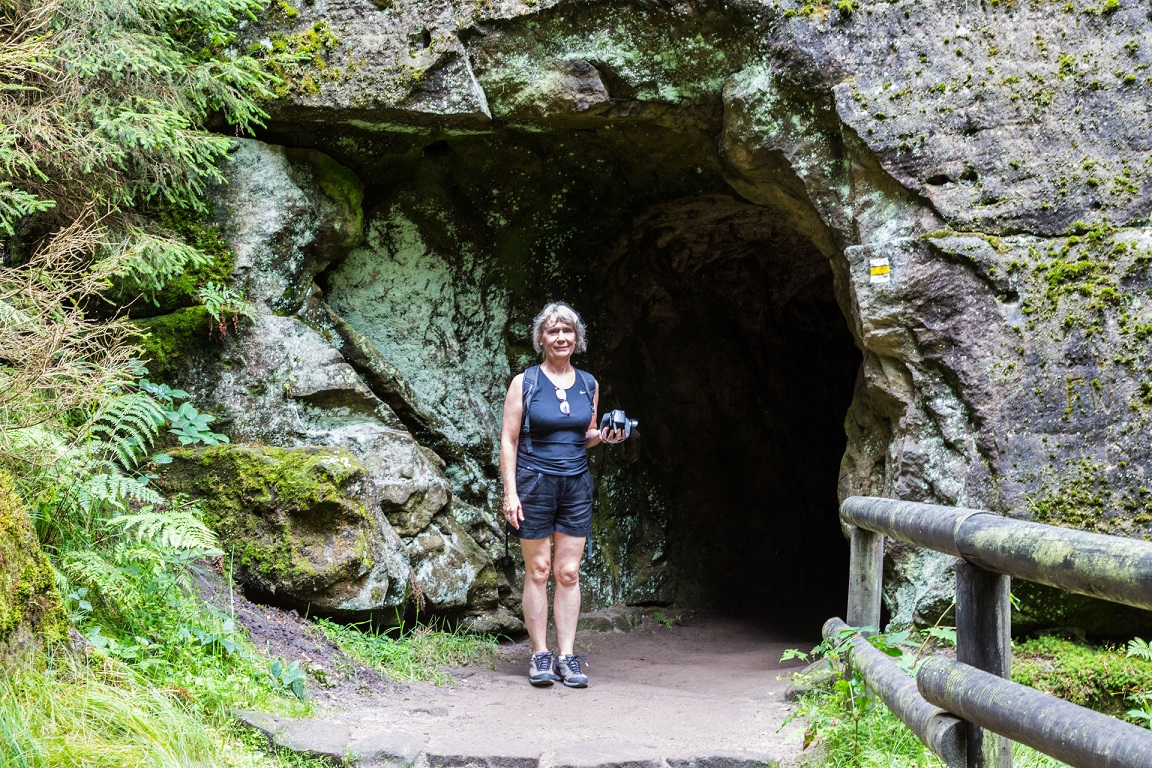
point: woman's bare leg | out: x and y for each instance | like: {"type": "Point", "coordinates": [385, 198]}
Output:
{"type": "Point", "coordinates": [567, 552]}
{"type": "Point", "coordinates": [537, 566]}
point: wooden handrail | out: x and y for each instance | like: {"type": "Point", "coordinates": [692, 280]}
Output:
{"type": "Point", "coordinates": [1109, 567]}
{"type": "Point", "coordinates": [941, 731]}
{"type": "Point", "coordinates": [1073, 734]}
{"type": "Point", "coordinates": [993, 549]}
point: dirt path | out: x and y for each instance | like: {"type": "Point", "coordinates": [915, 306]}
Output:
{"type": "Point", "coordinates": [705, 693]}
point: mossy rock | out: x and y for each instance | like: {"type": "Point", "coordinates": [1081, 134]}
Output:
{"type": "Point", "coordinates": [30, 607]}
{"type": "Point", "coordinates": [1098, 677]}
{"type": "Point", "coordinates": [171, 338]}
{"type": "Point", "coordinates": [183, 290]}
{"type": "Point", "coordinates": [294, 519]}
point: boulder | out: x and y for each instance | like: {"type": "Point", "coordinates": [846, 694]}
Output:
{"type": "Point", "coordinates": [286, 213]}
{"type": "Point", "coordinates": [298, 523]}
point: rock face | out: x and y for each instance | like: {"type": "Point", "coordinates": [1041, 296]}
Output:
{"type": "Point", "coordinates": [713, 184]}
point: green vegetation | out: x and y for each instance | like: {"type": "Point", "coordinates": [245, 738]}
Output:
{"type": "Point", "coordinates": [1103, 678]}
{"type": "Point", "coordinates": [275, 506]}
{"type": "Point", "coordinates": [103, 167]}
{"type": "Point", "coordinates": [848, 728]}
{"type": "Point", "coordinates": [415, 655]}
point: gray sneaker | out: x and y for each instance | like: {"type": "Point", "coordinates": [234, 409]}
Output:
{"type": "Point", "coordinates": [569, 671]}
{"type": "Point", "coordinates": [540, 669]}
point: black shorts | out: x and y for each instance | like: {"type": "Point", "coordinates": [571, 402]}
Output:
{"type": "Point", "coordinates": [554, 504]}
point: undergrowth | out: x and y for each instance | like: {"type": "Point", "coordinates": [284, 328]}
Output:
{"type": "Point", "coordinates": [849, 728]}
{"type": "Point", "coordinates": [415, 655]}
{"type": "Point", "coordinates": [70, 710]}
{"type": "Point", "coordinates": [1105, 678]}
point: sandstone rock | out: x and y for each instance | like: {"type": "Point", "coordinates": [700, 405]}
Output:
{"type": "Point", "coordinates": [1003, 357]}
{"type": "Point", "coordinates": [450, 571]}
{"type": "Point", "coordinates": [284, 383]}
{"type": "Point", "coordinates": [426, 309]}
{"type": "Point", "coordinates": [299, 523]}
{"type": "Point", "coordinates": [286, 213]}
{"type": "Point", "coordinates": [391, 55]}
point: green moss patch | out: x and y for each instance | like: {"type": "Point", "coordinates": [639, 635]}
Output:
{"type": "Point", "coordinates": [170, 338]}
{"type": "Point", "coordinates": [29, 602]}
{"type": "Point", "coordinates": [292, 518]}
{"type": "Point", "coordinates": [1098, 677]}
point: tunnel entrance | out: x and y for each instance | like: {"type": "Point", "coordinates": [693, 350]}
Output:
{"type": "Point", "coordinates": [728, 345]}
{"type": "Point", "coordinates": [712, 320]}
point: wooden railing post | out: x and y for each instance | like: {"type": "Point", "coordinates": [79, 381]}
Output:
{"type": "Point", "coordinates": [866, 578]}
{"type": "Point", "coordinates": [983, 641]}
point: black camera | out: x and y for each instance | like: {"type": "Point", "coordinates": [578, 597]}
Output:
{"type": "Point", "coordinates": [618, 420]}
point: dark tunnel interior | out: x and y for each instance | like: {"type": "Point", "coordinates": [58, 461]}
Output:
{"type": "Point", "coordinates": [740, 362]}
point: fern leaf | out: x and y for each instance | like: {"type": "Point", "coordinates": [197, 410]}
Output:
{"type": "Point", "coordinates": [177, 528]}
{"type": "Point", "coordinates": [1140, 648]}
{"type": "Point", "coordinates": [118, 490]}
{"type": "Point", "coordinates": [90, 569]}
{"type": "Point", "coordinates": [129, 424]}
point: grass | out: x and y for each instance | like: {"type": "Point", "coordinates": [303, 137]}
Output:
{"type": "Point", "coordinates": [849, 729]}
{"type": "Point", "coordinates": [417, 655]}
{"type": "Point", "coordinates": [877, 739]}
{"type": "Point", "coordinates": [60, 709]}
{"type": "Point", "coordinates": [71, 712]}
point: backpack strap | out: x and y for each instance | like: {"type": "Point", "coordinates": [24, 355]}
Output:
{"type": "Point", "coordinates": [589, 385]}
{"type": "Point", "coordinates": [531, 387]}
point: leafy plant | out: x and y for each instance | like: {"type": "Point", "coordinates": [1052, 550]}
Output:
{"type": "Point", "coordinates": [288, 678]}
{"type": "Point", "coordinates": [849, 728]}
{"type": "Point", "coordinates": [224, 304]}
{"type": "Point", "coordinates": [186, 422]}
{"type": "Point", "coordinates": [1140, 649]}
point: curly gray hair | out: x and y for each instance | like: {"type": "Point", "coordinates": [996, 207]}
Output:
{"type": "Point", "coordinates": [558, 312]}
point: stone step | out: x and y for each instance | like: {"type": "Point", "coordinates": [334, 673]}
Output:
{"type": "Point", "coordinates": [343, 745]}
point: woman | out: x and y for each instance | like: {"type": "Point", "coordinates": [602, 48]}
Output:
{"type": "Point", "coordinates": [549, 423]}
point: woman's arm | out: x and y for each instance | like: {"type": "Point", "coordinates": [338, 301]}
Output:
{"type": "Point", "coordinates": [509, 445]}
{"type": "Point", "coordinates": [594, 435]}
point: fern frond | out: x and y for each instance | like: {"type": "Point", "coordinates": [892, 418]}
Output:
{"type": "Point", "coordinates": [88, 568]}
{"type": "Point", "coordinates": [1140, 648]}
{"type": "Point", "coordinates": [177, 528]}
{"type": "Point", "coordinates": [128, 424]}
{"type": "Point", "coordinates": [118, 490]}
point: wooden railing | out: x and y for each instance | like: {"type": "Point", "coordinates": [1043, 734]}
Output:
{"type": "Point", "coordinates": [968, 711]}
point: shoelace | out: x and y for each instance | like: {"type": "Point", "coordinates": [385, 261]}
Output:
{"type": "Point", "coordinates": [573, 663]}
{"type": "Point", "coordinates": [542, 661]}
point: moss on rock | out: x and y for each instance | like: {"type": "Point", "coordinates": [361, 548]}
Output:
{"type": "Point", "coordinates": [1098, 677]}
{"type": "Point", "coordinates": [173, 336]}
{"type": "Point", "coordinates": [294, 518]}
{"type": "Point", "coordinates": [29, 603]}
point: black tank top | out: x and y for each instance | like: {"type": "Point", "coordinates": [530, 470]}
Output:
{"type": "Point", "coordinates": [558, 440]}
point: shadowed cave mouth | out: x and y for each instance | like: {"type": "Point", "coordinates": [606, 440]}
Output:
{"type": "Point", "coordinates": [712, 322]}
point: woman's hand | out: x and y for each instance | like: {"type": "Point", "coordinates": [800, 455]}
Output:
{"type": "Point", "coordinates": [613, 436]}
{"type": "Point", "coordinates": [513, 512]}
